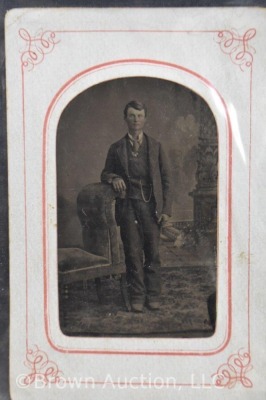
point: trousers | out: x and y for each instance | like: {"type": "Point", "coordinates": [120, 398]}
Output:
{"type": "Point", "coordinates": [140, 234]}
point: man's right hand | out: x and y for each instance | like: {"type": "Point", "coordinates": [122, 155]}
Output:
{"type": "Point", "coordinates": [119, 185]}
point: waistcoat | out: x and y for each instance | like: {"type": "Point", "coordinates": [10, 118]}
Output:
{"type": "Point", "coordinates": [138, 168]}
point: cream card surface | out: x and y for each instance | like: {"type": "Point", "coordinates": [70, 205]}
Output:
{"type": "Point", "coordinates": [201, 74]}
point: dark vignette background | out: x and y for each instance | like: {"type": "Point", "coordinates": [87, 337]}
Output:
{"type": "Point", "coordinates": [6, 5]}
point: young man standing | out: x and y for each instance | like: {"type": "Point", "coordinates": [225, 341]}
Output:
{"type": "Point", "coordinates": [137, 168]}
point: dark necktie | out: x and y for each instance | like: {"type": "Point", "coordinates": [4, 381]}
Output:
{"type": "Point", "coordinates": [135, 146]}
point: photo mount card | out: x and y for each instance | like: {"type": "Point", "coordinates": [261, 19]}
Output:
{"type": "Point", "coordinates": [70, 73]}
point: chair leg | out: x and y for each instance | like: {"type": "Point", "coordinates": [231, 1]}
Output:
{"type": "Point", "coordinates": [124, 292]}
{"type": "Point", "coordinates": [65, 292]}
{"type": "Point", "coordinates": [98, 284]}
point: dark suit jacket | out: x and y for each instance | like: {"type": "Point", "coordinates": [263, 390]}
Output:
{"type": "Point", "coordinates": [117, 166]}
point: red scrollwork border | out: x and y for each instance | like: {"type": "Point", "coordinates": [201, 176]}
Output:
{"type": "Point", "coordinates": [41, 368]}
{"type": "Point", "coordinates": [237, 47]}
{"type": "Point", "coordinates": [36, 47]}
{"type": "Point", "coordinates": [234, 371]}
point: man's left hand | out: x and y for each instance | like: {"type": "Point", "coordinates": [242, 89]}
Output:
{"type": "Point", "coordinates": [163, 219]}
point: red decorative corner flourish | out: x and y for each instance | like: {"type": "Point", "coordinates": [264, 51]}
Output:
{"type": "Point", "coordinates": [36, 47]}
{"type": "Point", "coordinates": [235, 370]}
{"type": "Point", "coordinates": [41, 368]}
{"type": "Point", "coordinates": [237, 46]}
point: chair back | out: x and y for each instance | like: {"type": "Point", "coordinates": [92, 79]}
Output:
{"type": "Point", "coordinates": [95, 207]}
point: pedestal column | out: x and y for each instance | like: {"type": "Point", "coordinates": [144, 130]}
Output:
{"type": "Point", "coordinates": [205, 192]}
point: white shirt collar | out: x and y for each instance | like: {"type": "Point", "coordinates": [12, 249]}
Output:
{"type": "Point", "coordinates": [140, 138]}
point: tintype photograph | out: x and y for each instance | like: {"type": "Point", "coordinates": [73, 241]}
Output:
{"type": "Point", "coordinates": [137, 176]}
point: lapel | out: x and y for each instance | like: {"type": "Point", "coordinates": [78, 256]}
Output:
{"type": "Point", "coordinates": [122, 154]}
{"type": "Point", "coordinates": [153, 154]}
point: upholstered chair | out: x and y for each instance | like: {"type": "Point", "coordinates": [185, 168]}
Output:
{"type": "Point", "coordinates": [101, 253]}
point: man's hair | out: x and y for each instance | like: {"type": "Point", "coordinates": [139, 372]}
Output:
{"type": "Point", "coordinates": [137, 105]}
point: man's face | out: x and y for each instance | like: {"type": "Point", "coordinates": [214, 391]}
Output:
{"type": "Point", "coordinates": [135, 119]}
